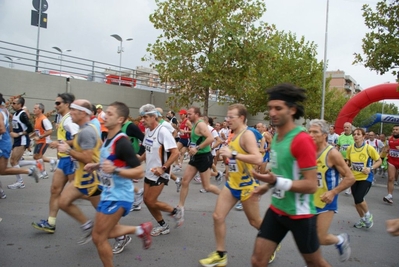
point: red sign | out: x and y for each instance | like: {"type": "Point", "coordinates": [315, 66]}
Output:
{"type": "Point", "coordinates": [124, 81]}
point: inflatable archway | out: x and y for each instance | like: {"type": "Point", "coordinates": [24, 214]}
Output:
{"type": "Point", "coordinates": [362, 100]}
{"type": "Point", "coordinates": [385, 118]}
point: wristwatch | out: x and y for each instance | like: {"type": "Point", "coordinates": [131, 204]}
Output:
{"type": "Point", "coordinates": [234, 154]}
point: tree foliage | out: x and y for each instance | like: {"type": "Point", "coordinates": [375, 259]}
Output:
{"type": "Point", "coordinates": [380, 45]}
{"type": "Point", "coordinates": [221, 47]}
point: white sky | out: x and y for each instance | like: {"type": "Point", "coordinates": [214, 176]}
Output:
{"type": "Point", "coordinates": [85, 26]}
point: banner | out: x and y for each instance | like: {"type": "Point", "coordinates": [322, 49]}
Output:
{"type": "Point", "coordinates": [384, 118]}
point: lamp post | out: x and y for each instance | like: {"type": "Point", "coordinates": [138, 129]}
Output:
{"type": "Point", "coordinates": [382, 114]}
{"type": "Point", "coordinates": [61, 53]}
{"type": "Point", "coordinates": [120, 51]}
{"type": "Point", "coordinates": [11, 59]}
{"type": "Point", "coordinates": [325, 65]}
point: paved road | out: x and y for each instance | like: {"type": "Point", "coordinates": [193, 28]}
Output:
{"type": "Point", "coordinates": [22, 245]}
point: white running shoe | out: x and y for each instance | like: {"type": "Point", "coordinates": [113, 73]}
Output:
{"type": "Point", "coordinates": [138, 199]}
{"type": "Point", "coordinates": [219, 177]}
{"type": "Point", "coordinates": [53, 164]}
{"type": "Point", "coordinates": [178, 184]}
{"type": "Point", "coordinates": [35, 173]}
{"type": "Point", "coordinates": [17, 185]}
{"type": "Point", "coordinates": [160, 230]}
{"type": "Point", "coordinates": [179, 216]}
{"type": "Point", "coordinates": [344, 248]}
{"type": "Point", "coordinates": [197, 178]}
{"type": "Point", "coordinates": [348, 191]}
{"type": "Point", "coordinates": [120, 244]}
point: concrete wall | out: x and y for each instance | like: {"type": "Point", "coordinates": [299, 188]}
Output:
{"type": "Point", "coordinates": [44, 88]}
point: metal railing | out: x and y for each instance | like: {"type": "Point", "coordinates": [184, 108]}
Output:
{"type": "Point", "coordinates": [55, 63]}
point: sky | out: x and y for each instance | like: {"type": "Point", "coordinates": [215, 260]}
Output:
{"type": "Point", "coordinates": [85, 28]}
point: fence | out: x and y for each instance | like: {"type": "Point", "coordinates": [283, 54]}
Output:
{"type": "Point", "coordinates": [61, 64]}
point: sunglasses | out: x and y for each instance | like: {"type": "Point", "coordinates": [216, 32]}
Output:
{"type": "Point", "coordinates": [58, 103]}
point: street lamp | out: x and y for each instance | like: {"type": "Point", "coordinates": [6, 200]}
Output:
{"type": "Point", "coordinates": [382, 114]}
{"type": "Point", "coordinates": [61, 53]}
{"type": "Point", "coordinates": [323, 92]}
{"type": "Point", "coordinates": [12, 59]}
{"type": "Point", "coordinates": [120, 51]}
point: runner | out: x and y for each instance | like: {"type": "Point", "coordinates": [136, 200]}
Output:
{"type": "Point", "coordinates": [85, 149]}
{"type": "Point", "coordinates": [184, 139]}
{"type": "Point", "coordinates": [66, 167]}
{"type": "Point", "coordinates": [118, 166]}
{"type": "Point", "coordinates": [21, 128]}
{"type": "Point", "coordinates": [200, 160]}
{"type": "Point", "coordinates": [160, 153]}
{"type": "Point", "coordinates": [363, 159]}
{"type": "Point", "coordinates": [393, 163]}
{"type": "Point", "coordinates": [343, 142]}
{"type": "Point", "coordinates": [330, 164]}
{"type": "Point", "coordinates": [243, 153]}
{"type": "Point", "coordinates": [294, 178]}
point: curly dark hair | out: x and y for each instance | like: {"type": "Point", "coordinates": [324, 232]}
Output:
{"type": "Point", "coordinates": [292, 96]}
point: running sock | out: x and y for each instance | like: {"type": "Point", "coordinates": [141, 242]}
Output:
{"type": "Point", "coordinates": [367, 214]}
{"type": "Point", "coordinates": [139, 231]}
{"type": "Point", "coordinates": [19, 177]}
{"type": "Point", "coordinates": [389, 196]}
{"type": "Point", "coordinates": [51, 220]}
{"type": "Point", "coordinates": [161, 222]}
{"type": "Point", "coordinates": [122, 237]}
{"type": "Point", "coordinates": [340, 239]}
{"type": "Point", "coordinates": [221, 253]}
{"type": "Point", "coordinates": [27, 162]}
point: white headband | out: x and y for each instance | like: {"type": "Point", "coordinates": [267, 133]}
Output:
{"type": "Point", "coordinates": [74, 106]}
{"type": "Point", "coordinates": [155, 112]}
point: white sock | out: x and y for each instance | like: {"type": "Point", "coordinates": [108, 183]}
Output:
{"type": "Point", "coordinates": [340, 239]}
{"type": "Point", "coordinates": [139, 231]}
{"type": "Point", "coordinates": [19, 177]}
{"type": "Point", "coordinates": [367, 214]}
{"type": "Point", "coordinates": [27, 162]}
{"type": "Point", "coordinates": [389, 196]}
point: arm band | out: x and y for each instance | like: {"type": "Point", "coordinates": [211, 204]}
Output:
{"type": "Point", "coordinates": [283, 184]}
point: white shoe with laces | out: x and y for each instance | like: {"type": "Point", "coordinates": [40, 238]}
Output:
{"type": "Point", "coordinates": [17, 185]}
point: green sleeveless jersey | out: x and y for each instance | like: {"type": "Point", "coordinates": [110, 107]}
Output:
{"type": "Point", "coordinates": [196, 140]}
{"type": "Point", "coordinates": [284, 164]}
{"type": "Point", "coordinates": [135, 142]}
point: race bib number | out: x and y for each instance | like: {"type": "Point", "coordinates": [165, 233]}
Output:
{"type": "Point", "coordinates": [233, 167]}
{"type": "Point", "coordinates": [394, 153]}
{"type": "Point", "coordinates": [278, 193]}
{"type": "Point", "coordinates": [148, 143]}
{"type": "Point", "coordinates": [14, 124]}
{"type": "Point", "coordinates": [344, 147]}
{"type": "Point", "coordinates": [106, 179]}
{"type": "Point", "coordinates": [357, 166]}
{"type": "Point", "coordinates": [319, 180]}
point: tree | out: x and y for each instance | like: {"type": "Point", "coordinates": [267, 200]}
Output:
{"type": "Point", "coordinates": [334, 102]}
{"type": "Point", "coordinates": [185, 54]}
{"type": "Point", "coordinates": [221, 47]}
{"type": "Point", "coordinates": [380, 46]}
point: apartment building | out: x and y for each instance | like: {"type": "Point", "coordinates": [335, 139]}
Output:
{"type": "Point", "coordinates": [343, 82]}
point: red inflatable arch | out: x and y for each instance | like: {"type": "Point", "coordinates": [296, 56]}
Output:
{"type": "Point", "coordinates": [362, 100]}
